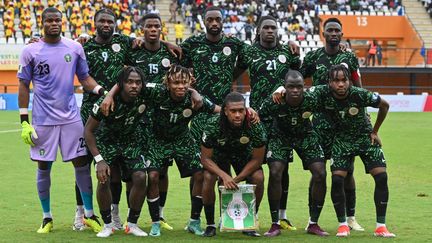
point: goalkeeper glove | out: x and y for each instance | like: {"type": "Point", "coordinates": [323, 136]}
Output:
{"type": "Point", "coordinates": [27, 132]}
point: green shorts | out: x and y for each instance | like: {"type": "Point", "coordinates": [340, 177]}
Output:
{"type": "Point", "coordinates": [346, 148]}
{"type": "Point", "coordinates": [307, 147]}
{"type": "Point", "coordinates": [127, 156]}
{"type": "Point", "coordinates": [238, 165]}
{"type": "Point", "coordinates": [182, 149]}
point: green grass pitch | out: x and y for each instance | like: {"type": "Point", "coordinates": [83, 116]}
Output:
{"type": "Point", "coordinates": [407, 145]}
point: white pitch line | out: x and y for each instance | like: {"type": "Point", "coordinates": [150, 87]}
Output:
{"type": "Point", "coordinates": [8, 131]}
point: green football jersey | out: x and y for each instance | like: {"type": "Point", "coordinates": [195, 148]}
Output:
{"type": "Point", "coordinates": [291, 121]}
{"type": "Point", "coordinates": [121, 123]}
{"type": "Point", "coordinates": [213, 64]}
{"type": "Point", "coordinates": [349, 114]}
{"type": "Point", "coordinates": [267, 69]}
{"type": "Point", "coordinates": [154, 64]}
{"type": "Point", "coordinates": [233, 143]}
{"type": "Point", "coordinates": [105, 62]}
{"type": "Point", "coordinates": [317, 63]}
{"type": "Point", "coordinates": [171, 118]}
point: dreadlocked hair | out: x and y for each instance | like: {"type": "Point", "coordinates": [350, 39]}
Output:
{"type": "Point", "coordinates": [258, 29]}
{"type": "Point", "coordinates": [334, 69]}
{"type": "Point", "coordinates": [186, 75]}
{"type": "Point", "coordinates": [124, 75]}
{"type": "Point", "coordinates": [224, 123]}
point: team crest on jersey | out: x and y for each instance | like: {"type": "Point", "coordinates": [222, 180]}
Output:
{"type": "Point", "coordinates": [42, 152]}
{"type": "Point", "coordinates": [68, 57]}
{"type": "Point", "coordinates": [141, 108]}
{"type": "Point", "coordinates": [244, 140]}
{"type": "Point", "coordinates": [226, 50]}
{"type": "Point", "coordinates": [306, 114]}
{"type": "Point", "coordinates": [353, 111]}
{"type": "Point", "coordinates": [166, 62]}
{"type": "Point", "coordinates": [282, 58]}
{"type": "Point", "coordinates": [116, 47]}
{"type": "Point", "coordinates": [187, 112]}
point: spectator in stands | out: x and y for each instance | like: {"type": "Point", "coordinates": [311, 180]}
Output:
{"type": "Point", "coordinates": [78, 27]}
{"type": "Point", "coordinates": [363, 5]}
{"type": "Point", "coordinates": [248, 28]}
{"type": "Point", "coordinates": [301, 34]}
{"type": "Point", "coordinates": [179, 32]}
{"type": "Point", "coordinates": [126, 25]}
{"type": "Point", "coordinates": [173, 11]}
{"type": "Point", "coordinates": [64, 23]}
{"type": "Point", "coordinates": [164, 32]}
{"type": "Point", "coordinates": [26, 28]}
{"type": "Point", "coordinates": [9, 28]}
{"type": "Point", "coordinates": [372, 51]}
{"type": "Point", "coordinates": [379, 54]}
{"type": "Point", "coordinates": [378, 5]}
{"type": "Point", "coordinates": [355, 5]}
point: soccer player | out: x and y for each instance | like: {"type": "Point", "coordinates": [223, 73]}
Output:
{"type": "Point", "coordinates": [292, 130]}
{"type": "Point", "coordinates": [316, 65]}
{"type": "Point", "coordinates": [117, 142]}
{"type": "Point", "coordinates": [50, 65]}
{"type": "Point", "coordinates": [355, 136]}
{"type": "Point", "coordinates": [155, 59]}
{"type": "Point", "coordinates": [231, 140]}
{"type": "Point", "coordinates": [171, 139]}
{"type": "Point", "coordinates": [268, 62]}
{"type": "Point", "coordinates": [106, 53]}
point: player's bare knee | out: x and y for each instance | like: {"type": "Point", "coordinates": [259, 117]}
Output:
{"type": "Point", "coordinates": [377, 170]}
{"type": "Point", "coordinates": [198, 177]}
{"type": "Point", "coordinates": [139, 178]}
{"type": "Point", "coordinates": [257, 178]}
{"type": "Point", "coordinates": [153, 177]}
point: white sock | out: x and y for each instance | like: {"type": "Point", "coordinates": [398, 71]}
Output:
{"type": "Point", "coordinates": [311, 222]}
{"type": "Point", "coordinates": [161, 215]}
{"type": "Point", "coordinates": [351, 218]}
{"type": "Point", "coordinates": [47, 215]}
{"type": "Point", "coordinates": [343, 223]}
{"type": "Point", "coordinates": [282, 214]}
{"type": "Point", "coordinates": [115, 207]}
{"type": "Point", "coordinates": [379, 225]}
{"type": "Point", "coordinates": [88, 213]}
{"type": "Point", "coordinates": [80, 209]}
{"type": "Point", "coordinates": [131, 225]}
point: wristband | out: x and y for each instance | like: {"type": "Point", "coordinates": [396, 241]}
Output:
{"type": "Point", "coordinates": [98, 158]}
{"type": "Point", "coordinates": [99, 90]}
{"type": "Point", "coordinates": [24, 115]}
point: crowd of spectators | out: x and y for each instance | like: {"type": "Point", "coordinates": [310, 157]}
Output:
{"type": "Point", "coordinates": [22, 18]}
{"type": "Point", "coordinates": [297, 18]}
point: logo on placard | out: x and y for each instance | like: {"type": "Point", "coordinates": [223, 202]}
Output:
{"type": "Point", "coordinates": [237, 209]}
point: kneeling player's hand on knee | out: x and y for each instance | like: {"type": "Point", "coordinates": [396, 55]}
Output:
{"type": "Point", "coordinates": [27, 132]}
{"type": "Point", "coordinates": [102, 171]}
{"type": "Point", "coordinates": [375, 139]}
{"type": "Point", "coordinates": [229, 183]}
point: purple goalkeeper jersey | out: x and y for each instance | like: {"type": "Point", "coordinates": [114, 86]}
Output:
{"type": "Point", "coordinates": [51, 68]}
